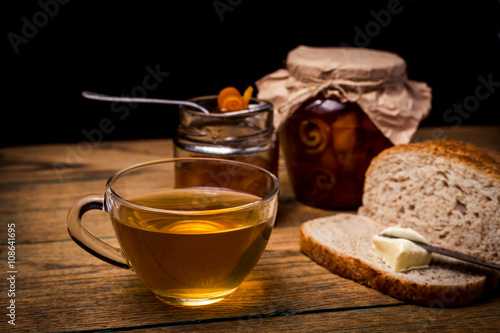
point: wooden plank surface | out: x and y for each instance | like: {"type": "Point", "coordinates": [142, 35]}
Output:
{"type": "Point", "coordinates": [390, 318]}
{"type": "Point", "coordinates": [61, 288]}
{"type": "Point", "coordinates": [84, 288]}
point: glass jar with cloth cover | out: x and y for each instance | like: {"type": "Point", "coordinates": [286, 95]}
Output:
{"type": "Point", "coordinates": [337, 108]}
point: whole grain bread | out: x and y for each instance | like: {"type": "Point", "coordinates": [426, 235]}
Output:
{"type": "Point", "coordinates": [342, 243]}
{"type": "Point", "coordinates": [448, 191]}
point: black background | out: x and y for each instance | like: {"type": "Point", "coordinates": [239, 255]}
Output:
{"type": "Point", "coordinates": [105, 46]}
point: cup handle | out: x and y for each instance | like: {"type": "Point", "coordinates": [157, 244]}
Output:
{"type": "Point", "coordinates": [85, 239]}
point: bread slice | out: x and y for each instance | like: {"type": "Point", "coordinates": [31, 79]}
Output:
{"type": "Point", "coordinates": [448, 191]}
{"type": "Point", "coordinates": [342, 243]}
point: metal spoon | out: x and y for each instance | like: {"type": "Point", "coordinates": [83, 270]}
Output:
{"type": "Point", "coordinates": [101, 97]}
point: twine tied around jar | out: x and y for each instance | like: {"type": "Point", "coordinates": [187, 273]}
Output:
{"type": "Point", "coordinates": [376, 80]}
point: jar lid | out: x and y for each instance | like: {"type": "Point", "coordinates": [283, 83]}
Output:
{"type": "Point", "coordinates": [355, 64]}
{"type": "Point", "coordinates": [375, 80]}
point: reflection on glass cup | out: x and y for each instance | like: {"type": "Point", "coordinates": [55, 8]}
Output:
{"type": "Point", "coordinates": [191, 228]}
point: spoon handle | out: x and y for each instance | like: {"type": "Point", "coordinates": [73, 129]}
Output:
{"type": "Point", "coordinates": [102, 97]}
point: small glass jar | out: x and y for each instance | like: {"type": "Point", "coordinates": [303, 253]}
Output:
{"type": "Point", "coordinates": [328, 146]}
{"type": "Point", "coordinates": [246, 136]}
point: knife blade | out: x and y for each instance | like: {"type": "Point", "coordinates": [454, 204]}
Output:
{"type": "Point", "coordinates": [450, 253]}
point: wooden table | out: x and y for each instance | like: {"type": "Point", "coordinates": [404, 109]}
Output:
{"type": "Point", "coordinates": [61, 288]}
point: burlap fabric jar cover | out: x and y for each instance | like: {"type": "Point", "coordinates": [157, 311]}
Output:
{"type": "Point", "coordinates": [374, 80]}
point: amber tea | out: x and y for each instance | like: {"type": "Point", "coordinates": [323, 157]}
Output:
{"type": "Point", "coordinates": [205, 256]}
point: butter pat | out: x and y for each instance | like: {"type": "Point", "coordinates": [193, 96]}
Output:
{"type": "Point", "coordinates": [404, 233]}
{"type": "Point", "coordinates": [401, 254]}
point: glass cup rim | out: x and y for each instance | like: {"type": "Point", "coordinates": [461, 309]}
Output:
{"type": "Point", "coordinates": [110, 190]}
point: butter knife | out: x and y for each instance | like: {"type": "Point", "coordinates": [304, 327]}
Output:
{"type": "Point", "coordinates": [450, 253]}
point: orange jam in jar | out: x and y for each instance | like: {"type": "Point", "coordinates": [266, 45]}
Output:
{"type": "Point", "coordinates": [328, 146]}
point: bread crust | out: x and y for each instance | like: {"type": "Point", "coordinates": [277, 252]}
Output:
{"type": "Point", "coordinates": [458, 151]}
{"type": "Point", "coordinates": [385, 281]}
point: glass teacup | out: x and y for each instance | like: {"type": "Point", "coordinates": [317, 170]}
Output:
{"type": "Point", "coordinates": [191, 228]}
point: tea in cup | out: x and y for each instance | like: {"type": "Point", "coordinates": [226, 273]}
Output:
{"type": "Point", "coordinates": [191, 228]}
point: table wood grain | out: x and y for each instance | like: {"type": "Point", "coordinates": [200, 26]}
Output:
{"type": "Point", "coordinates": [61, 288]}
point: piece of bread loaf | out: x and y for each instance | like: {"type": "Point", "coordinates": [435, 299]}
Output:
{"type": "Point", "coordinates": [343, 244]}
{"type": "Point", "coordinates": [446, 190]}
